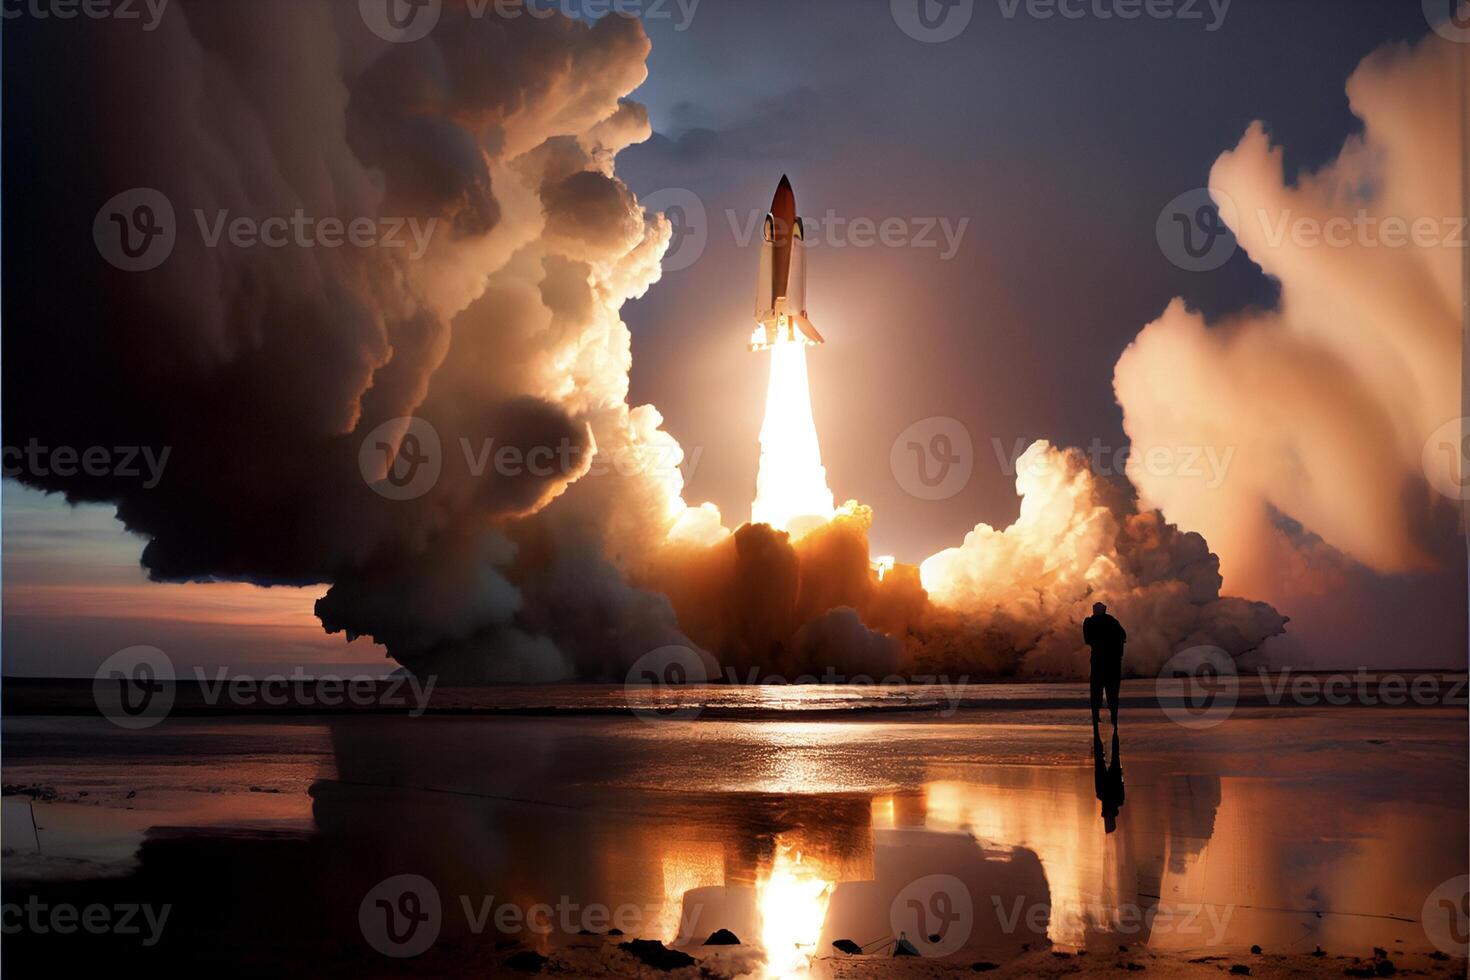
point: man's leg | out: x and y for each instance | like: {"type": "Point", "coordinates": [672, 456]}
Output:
{"type": "Point", "coordinates": [1115, 680]}
{"type": "Point", "coordinates": [1097, 693]}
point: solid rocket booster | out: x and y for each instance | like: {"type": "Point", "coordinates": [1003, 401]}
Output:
{"type": "Point", "coordinates": [780, 287]}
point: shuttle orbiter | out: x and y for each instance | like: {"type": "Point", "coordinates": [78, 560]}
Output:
{"type": "Point", "coordinates": [780, 288]}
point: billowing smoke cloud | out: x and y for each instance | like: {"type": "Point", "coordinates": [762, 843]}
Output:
{"type": "Point", "coordinates": [1325, 404]}
{"type": "Point", "coordinates": [1013, 600]}
{"type": "Point", "coordinates": [1006, 602]}
{"type": "Point", "coordinates": [766, 607]}
{"type": "Point", "coordinates": [550, 539]}
{"type": "Point", "coordinates": [273, 373]}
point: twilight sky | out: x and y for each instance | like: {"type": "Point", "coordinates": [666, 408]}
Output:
{"type": "Point", "coordinates": [1044, 148]}
{"type": "Point", "coordinates": [1060, 141]}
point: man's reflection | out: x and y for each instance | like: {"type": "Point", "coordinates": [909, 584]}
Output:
{"type": "Point", "coordinates": [1108, 779]}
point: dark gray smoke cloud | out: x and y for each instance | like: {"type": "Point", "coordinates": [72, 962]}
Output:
{"type": "Point", "coordinates": [488, 146]}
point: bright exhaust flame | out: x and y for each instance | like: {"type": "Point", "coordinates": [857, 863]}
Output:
{"type": "Point", "coordinates": [793, 906]}
{"type": "Point", "coordinates": [791, 492]}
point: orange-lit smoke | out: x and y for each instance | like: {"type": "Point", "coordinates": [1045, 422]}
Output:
{"type": "Point", "coordinates": [1007, 601]}
{"type": "Point", "coordinates": [1021, 592]}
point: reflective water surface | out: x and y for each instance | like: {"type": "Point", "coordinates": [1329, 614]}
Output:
{"type": "Point", "coordinates": [974, 836]}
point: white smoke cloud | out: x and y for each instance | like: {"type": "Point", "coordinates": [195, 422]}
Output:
{"type": "Point", "coordinates": [1326, 403]}
{"type": "Point", "coordinates": [1014, 599]}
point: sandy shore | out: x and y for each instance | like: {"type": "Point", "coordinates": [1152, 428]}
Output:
{"type": "Point", "coordinates": [599, 957]}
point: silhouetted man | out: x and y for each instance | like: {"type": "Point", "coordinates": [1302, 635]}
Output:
{"type": "Point", "coordinates": [1106, 637]}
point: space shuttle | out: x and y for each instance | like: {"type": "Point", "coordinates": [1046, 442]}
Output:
{"type": "Point", "coordinates": [780, 287]}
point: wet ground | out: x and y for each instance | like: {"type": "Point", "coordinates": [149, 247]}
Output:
{"type": "Point", "coordinates": [438, 844]}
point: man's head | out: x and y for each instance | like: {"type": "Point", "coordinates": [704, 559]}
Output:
{"type": "Point", "coordinates": [1098, 608]}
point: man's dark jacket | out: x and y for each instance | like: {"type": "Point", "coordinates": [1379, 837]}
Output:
{"type": "Point", "coordinates": [1105, 635]}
